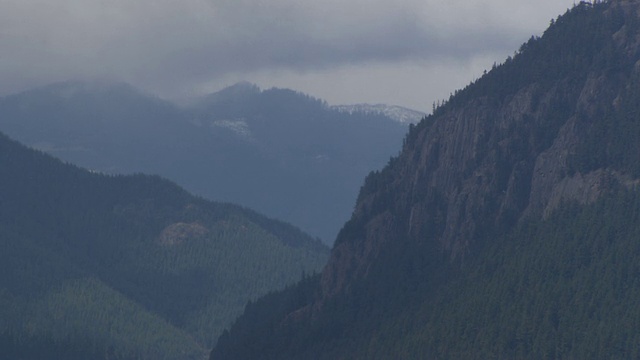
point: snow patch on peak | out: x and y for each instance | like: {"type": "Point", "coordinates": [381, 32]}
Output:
{"type": "Point", "coordinates": [398, 113]}
{"type": "Point", "coordinates": [238, 126]}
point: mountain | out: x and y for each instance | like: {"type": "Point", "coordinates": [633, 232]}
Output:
{"type": "Point", "coordinates": [397, 113]}
{"type": "Point", "coordinates": [312, 158]}
{"type": "Point", "coordinates": [277, 151]}
{"type": "Point", "coordinates": [507, 227]}
{"type": "Point", "coordinates": [110, 128]}
{"type": "Point", "coordinates": [123, 267]}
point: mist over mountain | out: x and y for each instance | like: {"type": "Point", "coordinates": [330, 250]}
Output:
{"type": "Point", "coordinates": [507, 227]}
{"type": "Point", "coordinates": [128, 267]}
{"type": "Point", "coordinates": [278, 151]}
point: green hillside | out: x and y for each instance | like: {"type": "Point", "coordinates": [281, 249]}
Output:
{"type": "Point", "coordinates": [129, 266]}
{"type": "Point", "coordinates": [567, 287]}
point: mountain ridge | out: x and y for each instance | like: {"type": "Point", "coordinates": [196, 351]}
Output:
{"type": "Point", "coordinates": [492, 177]}
{"type": "Point", "coordinates": [549, 137]}
{"type": "Point", "coordinates": [128, 266]}
{"type": "Point", "coordinates": [281, 152]}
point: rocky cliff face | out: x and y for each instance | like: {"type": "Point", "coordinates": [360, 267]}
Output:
{"type": "Point", "coordinates": [505, 148]}
{"type": "Point", "coordinates": [559, 122]}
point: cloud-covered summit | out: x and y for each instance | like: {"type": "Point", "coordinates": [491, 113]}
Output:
{"type": "Point", "coordinates": [176, 47]}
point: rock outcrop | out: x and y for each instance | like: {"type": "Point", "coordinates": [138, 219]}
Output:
{"type": "Point", "coordinates": [496, 154]}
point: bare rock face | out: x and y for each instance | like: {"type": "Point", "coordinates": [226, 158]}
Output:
{"type": "Point", "coordinates": [487, 160]}
{"type": "Point", "coordinates": [179, 233]}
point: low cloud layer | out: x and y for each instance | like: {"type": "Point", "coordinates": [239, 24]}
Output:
{"type": "Point", "coordinates": [175, 47]}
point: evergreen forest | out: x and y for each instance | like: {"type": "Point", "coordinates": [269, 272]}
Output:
{"type": "Point", "coordinates": [128, 267]}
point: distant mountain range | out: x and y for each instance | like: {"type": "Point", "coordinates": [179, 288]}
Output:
{"type": "Point", "coordinates": [128, 267]}
{"type": "Point", "coordinates": [397, 113]}
{"type": "Point", "coordinates": [278, 151]}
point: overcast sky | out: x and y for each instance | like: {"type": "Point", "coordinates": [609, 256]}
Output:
{"type": "Point", "coordinates": [404, 52]}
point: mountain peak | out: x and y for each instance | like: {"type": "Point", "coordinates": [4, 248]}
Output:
{"type": "Point", "coordinates": [242, 87]}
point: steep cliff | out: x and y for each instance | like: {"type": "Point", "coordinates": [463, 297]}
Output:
{"type": "Point", "coordinates": [556, 124]}
{"type": "Point", "coordinates": [511, 145]}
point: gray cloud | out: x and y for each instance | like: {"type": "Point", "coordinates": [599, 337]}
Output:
{"type": "Point", "coordinates": [173, 47]}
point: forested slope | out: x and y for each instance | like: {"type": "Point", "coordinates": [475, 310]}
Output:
{"type": "Point", "coordinates": [128, 266]}
{"type": "Point", "coordinates": [506, 228]}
